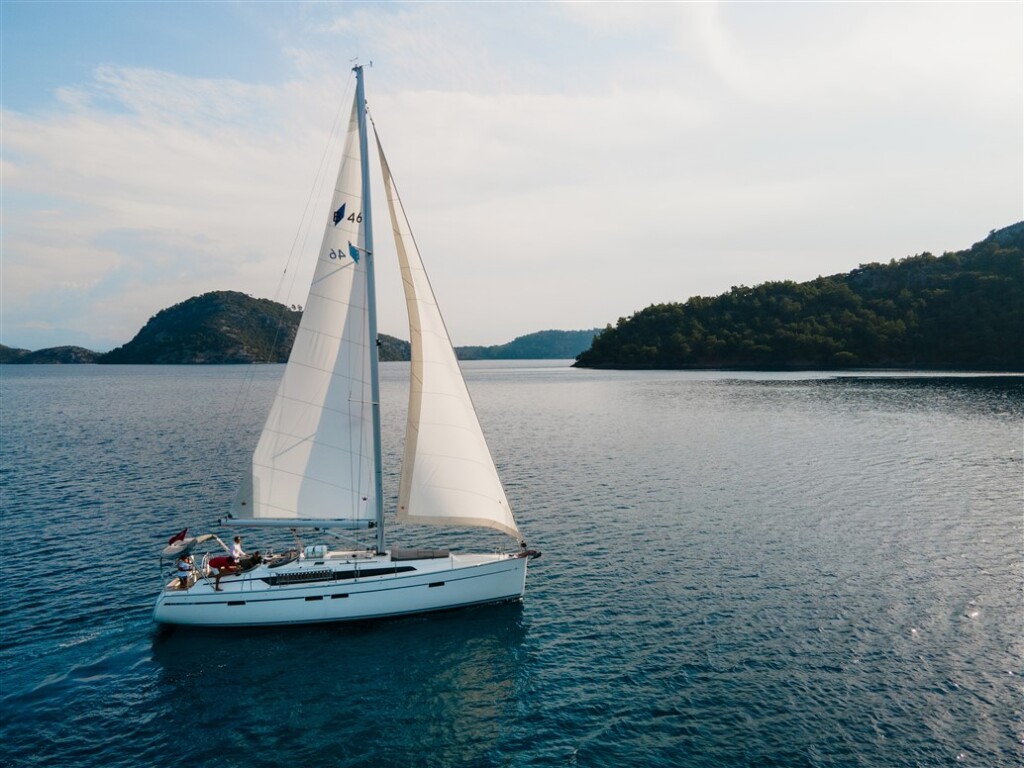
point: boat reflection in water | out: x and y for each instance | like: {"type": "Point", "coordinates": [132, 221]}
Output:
{"type": "Point", "coordinates": [443, 685]}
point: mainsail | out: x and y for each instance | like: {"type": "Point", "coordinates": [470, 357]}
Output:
{"type": "Point", "coordinates": [315, 458]}
{"type": "Point", "coordinates": [448, 475]}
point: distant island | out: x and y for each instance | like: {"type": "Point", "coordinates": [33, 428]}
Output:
{"type": "Point", "coordinates": [543, 345]}
{"type": "Point", "coordinates": [962, 310]}
{"type": "Point", "coordinates": [217, 327]}
{"type": "Point", "coordinates": [223, 327]}
{"type": "Point", "coordinates": [49, 355]}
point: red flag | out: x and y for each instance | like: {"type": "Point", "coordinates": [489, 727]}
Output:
{"type": "Point", "coordinates": [177, 537]}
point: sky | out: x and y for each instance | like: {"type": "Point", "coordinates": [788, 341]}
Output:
{"type": "Point", "coordinates": [563, 165]}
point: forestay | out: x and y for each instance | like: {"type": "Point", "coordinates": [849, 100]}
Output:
{"type": "Point", "coordinates": [448, 475]}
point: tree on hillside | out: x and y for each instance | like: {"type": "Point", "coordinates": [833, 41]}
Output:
{"type": "Point", "coordinates": [963, 310]}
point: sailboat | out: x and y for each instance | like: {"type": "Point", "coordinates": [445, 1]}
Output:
{"type": "Point", "coordinates": [317, 466]}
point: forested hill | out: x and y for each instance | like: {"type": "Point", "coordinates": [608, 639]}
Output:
{"type": "Point", "coordinates": [50, 355]}
{"type": "Point", "coordinates": [231, 327]}
{"type": "Point", "coordinates": [217, 327]}
{"type": "Point", "coordinates": [223, 327]}
{"type": "Point", "coordinates": [551, 345]}
{"type": "Point", "coordinates": [962, 310]}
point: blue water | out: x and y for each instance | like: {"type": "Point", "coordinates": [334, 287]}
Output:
{"type": "Point", "coordinates": [738, 570]}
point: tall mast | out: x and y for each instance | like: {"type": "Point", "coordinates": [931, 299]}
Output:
{"type": "Point", "coordinates": [371, 306]}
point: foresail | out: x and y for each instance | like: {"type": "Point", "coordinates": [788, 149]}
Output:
{"type": "Point", "coordinates": [448, 475]}
{"type": "Point", "coordinates": [315, 457]}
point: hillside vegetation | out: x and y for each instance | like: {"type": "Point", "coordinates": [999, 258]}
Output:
{"type": "Point", "coordinates": [960, 310]}
{"type": "Point", "coordinates": [50, 355]}
{"type": "Point", "coordinates": [217, 327]}
{"type": "Point", "coordinates": [551, 345]}
{"type": "Point", "coordinates": [224, 327]}
{"type": "Point", "coordinates": [230, 327]}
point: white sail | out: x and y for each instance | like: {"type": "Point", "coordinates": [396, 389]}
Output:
{"type": "Point", "coordinates": [448, 475]}
{"type": "Point", "coordinates": [315, 457]}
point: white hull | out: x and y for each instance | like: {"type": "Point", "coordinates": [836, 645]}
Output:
{"type": "Point", "coordinates": [346, 589]}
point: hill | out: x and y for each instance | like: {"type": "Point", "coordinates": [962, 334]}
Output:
{"type": "Point", "coordinates": [217, 327]}
{"type": "Point", "coordinates": [543, 345]}
{"type": "Point", "coordinates": [231, 327]}
{"type": "Point", "coordinates": [50, 355]}
{"type": "Point", "coordinates": [223, 327]}
{"type": "Point", "coordinates": [962, 310]}
{"type": "Point", "coordinates": [390, 349]}
{"type": "Point", "coordinates": [11, 354]}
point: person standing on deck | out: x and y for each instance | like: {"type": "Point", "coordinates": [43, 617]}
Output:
{"type": "Point", "coordinates": [184, 571]}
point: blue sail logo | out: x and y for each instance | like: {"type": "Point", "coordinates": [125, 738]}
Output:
{"type": "Point", "coordinates": [339, 214]}
{"type": "Point", "coordinates": [338, 253]}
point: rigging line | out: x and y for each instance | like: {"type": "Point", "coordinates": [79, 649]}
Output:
{"type": "Point", "coordinates": [386, 170]}
{"type": "Point", "coordinates": [318, 182]}
{"type": "Point", "coordinates": [306, 220]}
{"type": "Point", "coordinates": [305, 223]}
{"type": "Point", "coordinates": [412, 237]}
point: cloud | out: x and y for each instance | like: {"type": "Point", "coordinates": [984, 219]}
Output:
{"type": "Point", "coordinates": [562, 165]}
{"type": "Point", "coordinates": [148, 188]}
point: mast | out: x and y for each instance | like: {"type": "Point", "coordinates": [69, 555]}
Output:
{"type": "Point", "coordinates": [371, 306]}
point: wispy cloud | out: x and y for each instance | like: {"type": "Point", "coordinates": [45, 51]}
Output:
{"type": "Point", "coordinates": [563, 164]}
{"type": "Point", "coordinates": [148, 188]}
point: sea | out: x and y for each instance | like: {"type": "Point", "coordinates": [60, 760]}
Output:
{"type": "Point", "coordinates": [739, 569]}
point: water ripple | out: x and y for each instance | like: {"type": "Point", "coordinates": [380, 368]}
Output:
{"type": "Point", "coordinates": [737, 571]}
